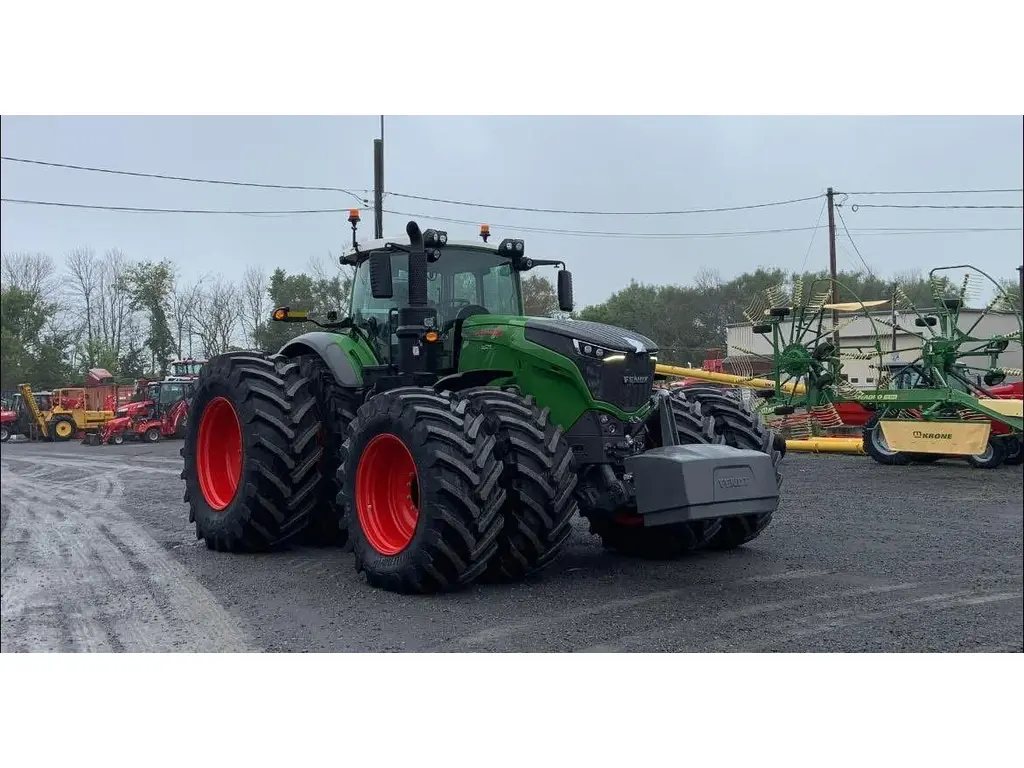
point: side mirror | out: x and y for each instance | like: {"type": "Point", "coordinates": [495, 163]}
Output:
{"type": "Point", "coordinates": [565, 290]}
{"type": "Point", "coordinates": [380, 275]}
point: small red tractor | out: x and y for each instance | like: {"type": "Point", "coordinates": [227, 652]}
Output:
{"type": "Point", "coordinates": [7, 419]}
{"type": "Point", "coordinates": [164, 413]}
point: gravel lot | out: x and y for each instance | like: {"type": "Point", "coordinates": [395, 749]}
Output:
{"type": "Point", "coordinates": [97, 555]}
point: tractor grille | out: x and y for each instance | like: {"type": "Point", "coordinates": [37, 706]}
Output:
{"type": "Point", "coordinates": [625, 384]}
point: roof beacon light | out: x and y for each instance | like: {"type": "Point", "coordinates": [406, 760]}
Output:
{"type": "Point", "coordinates": [485, 232]}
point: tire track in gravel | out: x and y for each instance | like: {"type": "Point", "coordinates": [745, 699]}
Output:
{"type": "Point", "coordinates": [78, 574]}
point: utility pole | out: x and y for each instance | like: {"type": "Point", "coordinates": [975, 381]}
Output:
{"type": "Point", "coordinates": [1020, 296]}
{"type": "Point", "coordinates": [378, 184]}
{"type": "Point", "coordinates": [832, 265]}
{"type": "Point", "coordinates": [894, 321]}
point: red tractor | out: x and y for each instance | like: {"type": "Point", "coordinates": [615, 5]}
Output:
{"type": "Point", "coordinates": [7, 419]}
{"type": "Point", "coordinates": [164, 413]}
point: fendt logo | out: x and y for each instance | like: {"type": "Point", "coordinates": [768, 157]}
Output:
{"type": "Point", "coordinates": [635, 379]}
{"type": "Point", "coordinates": [932, 435]}
{"type": "Point", "coordinates": [733, 482]}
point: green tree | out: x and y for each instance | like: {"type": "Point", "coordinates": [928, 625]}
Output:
{"type": "Point", "coordinates": [151, 286]}
{"type": "Point", "coordinates": [539, 297]}
{"type": "Point", "coordinates": [22, 317]}
{"type": "Point", "coordinates": [296, 291]}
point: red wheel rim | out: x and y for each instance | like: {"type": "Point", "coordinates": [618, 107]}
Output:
{"type": "Point", "coordinates": [219, 453]}
{"type": "Point", "coordinates": [387, 491]}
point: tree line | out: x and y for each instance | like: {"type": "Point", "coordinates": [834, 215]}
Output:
{"type": "Point", "coordinates": [132, 317]}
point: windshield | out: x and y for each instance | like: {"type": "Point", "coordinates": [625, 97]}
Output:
{"type": "Point", "coordinates": [183, 368]}
{"type": "Point", "coordinates": [462, 277]}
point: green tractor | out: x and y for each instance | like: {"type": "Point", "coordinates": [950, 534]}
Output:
{"type": "Point", "coordinates": [445, 437]}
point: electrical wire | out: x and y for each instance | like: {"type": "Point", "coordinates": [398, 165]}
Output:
{"type": "Point", "coordinates": [857, 206]}
{"type": "Point", "coordinates": [506, 226]}
{"type": "Point", "coordinates": [602, 233]}
{"type": "Point", "coordinates": [567, 212]}
{"type": "Point", "coordinates": [938, 192]}
{"type": "Point", "coordinates": [132, 209]}
{"type": "Point", "coordinates": [813, 235]}
{"type": "Point", "coordinates": [849, 237]}
{"type": "Point", "coordinates": [190, 179]}
{"type": "Point", "coordinates": [422, 198]}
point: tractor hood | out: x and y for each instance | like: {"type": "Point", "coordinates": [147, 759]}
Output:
{"type": "Point", "coordinates": [605, 337]}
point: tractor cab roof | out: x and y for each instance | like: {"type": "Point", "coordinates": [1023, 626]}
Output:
{"type": "Point", "coordinates": [351, 255]}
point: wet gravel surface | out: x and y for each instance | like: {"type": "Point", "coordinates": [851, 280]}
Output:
{"type": "Point", "coordinates": [98, 555]}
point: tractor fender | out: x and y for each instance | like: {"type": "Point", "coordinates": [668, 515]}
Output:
{"type": "Point", "coordinates": [456, 382]}
{"type": "Point", "coordinates": [324, 345]}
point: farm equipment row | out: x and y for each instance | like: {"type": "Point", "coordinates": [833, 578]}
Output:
{"type": "Point", "coordinates": [446, 437]}
{"type": "Point", "coordinates": [164, 413]}
{"type": "Point", "coordinates": [99, 408]}
{"type": "Point", "coordinates": [940, 403]}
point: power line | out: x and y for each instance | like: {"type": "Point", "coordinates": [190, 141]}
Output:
{"type": "Point", "coordinates": [189, 179]}
{"type": "Point", "coordinates": [855, 248]}
{"type": "Point", "coordinates": [938, 192]}
{"type": "Point", "coordinates": [856, 206]}
{"type": "Point", "coordinates": [422, 198]}
{"type": "Point", "coordinates": [567, 212]}
{"type": "Point", "coordinates": [813, 234]}
{"type": "Point", "coordinates": [132, 209]}
{"type": "Point", "coordinates": [599, 233]}
{"type": "Point", "coordinates": [505, 226]}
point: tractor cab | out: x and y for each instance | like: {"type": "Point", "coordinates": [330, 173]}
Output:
{"type": "Point", "coordinates": [185, 369]}
{"type": "Point", "coordinates": [463, 279]}
{"type": "Point", "coordinates": [166, 394]}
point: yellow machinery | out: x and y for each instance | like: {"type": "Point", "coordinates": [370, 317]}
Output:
{"type": "Point", "coordinates": [730, 379]}
{"type": "Point", "coordinates": [69, 413]}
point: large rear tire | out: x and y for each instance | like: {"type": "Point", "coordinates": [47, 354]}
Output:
{"type": "Point", "coordinates": [538, 476]}
{"type": "Point", "coordinates": [251, 452]}
{"type": "Point", "coordinates": [624, 531]}
{"type": "Point", "coordinates": [336, 408]}
{"type": "Point", "coordinates": [421, 489]}
{"type": "Point", "coordinates": [737, 424]}
{"type": "Point", "coordinates": [5, 434]}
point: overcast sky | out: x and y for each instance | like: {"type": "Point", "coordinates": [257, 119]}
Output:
{"type": "Point", "coordinates": [578, 163]}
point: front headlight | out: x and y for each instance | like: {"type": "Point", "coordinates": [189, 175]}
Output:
{"type": "Point", "coordinates": [587, 349]}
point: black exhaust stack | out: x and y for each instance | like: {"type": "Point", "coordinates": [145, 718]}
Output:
{"type": "Point", "coordinates": [417, 318]}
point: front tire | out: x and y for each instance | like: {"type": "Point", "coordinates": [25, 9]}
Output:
{"type": "Point", "coordinates": [62, 428]}
{"type": "Point", "coordinates": [624, 531]}
{"type": "Point", "coordinates": [740, 426]}
{"type": "Point", "coordinates": [421, 490]}
{"type": "Point", "coordinates": [538, 477]}
{"type": "Point", "coordinates": [251, 452]}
